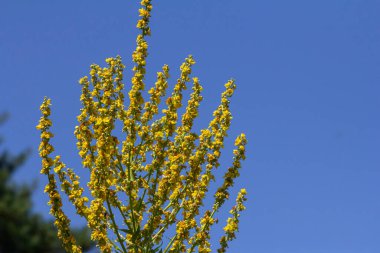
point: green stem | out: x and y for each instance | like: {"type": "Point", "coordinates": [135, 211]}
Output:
{"type": "Point", "coordinates": [170, 243]}
{"type": "Point", "coordinates": [172, 201]}
{"type": "Point", "coordinates": [115, 226]}
{"type": "Point", "coordinates": [202, 229]}
{"type": "Point", "coordinates": [131, 205]}
{"type": "Point", "coordinates": [130, 179]}
{"type": "Point", "coordinates": [172, 215]}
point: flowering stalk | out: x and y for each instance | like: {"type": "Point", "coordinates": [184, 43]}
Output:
{"type": "Point", "coordinates": [153, 179]}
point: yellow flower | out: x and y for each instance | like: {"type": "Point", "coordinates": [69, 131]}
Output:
{"type": "Point", "coordinates": [156, 174]}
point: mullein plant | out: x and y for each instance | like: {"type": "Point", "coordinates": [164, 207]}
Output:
{"type": "Point", "coordinates": [153, 181]}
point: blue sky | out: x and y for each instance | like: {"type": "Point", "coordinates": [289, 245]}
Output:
{"type": "Point", "coordinates": [308, 75]}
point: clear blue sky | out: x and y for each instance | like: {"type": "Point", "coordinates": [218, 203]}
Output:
{"type": "Point", "coordinates": [308, 75]}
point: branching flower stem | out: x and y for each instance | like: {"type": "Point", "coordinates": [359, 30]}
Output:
{"type": "Point", "coordinates": [166, 192]}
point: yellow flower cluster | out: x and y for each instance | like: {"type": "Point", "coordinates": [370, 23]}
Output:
{"type": "Point", "coordinates": [233, 222]}
{"type": "Point", "coordinates": [156, 174]}
{"type": "Point", "coordinates": [61, 221]}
